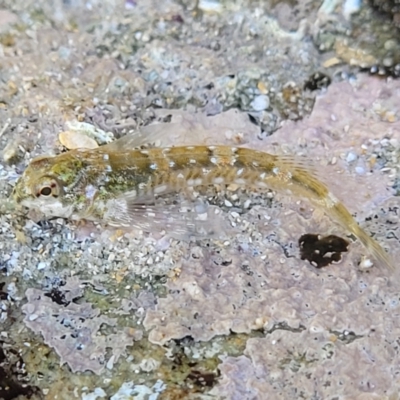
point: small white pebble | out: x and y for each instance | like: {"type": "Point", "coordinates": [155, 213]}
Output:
{"type": "Point", "coordinates": [260, 103]}
{"type": "Point", "coordinates": [360, 170]}
{"type": "Point", "coordinates": [110, 362]}
{"type": "Point", "coordinates": [247, 203]}
{"type": "Point", "coordinates": [351, 157]}
{"type": "Point", "coordinates": [366, 263]}
{"type": "Point", "coordinates": [41, 265]}
{"type": "Point", "coordinates": [384, 142]}
{"type": "Point", "coordinates": [210, 6]}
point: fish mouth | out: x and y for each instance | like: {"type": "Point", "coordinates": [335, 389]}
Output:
{"type": "Point", "coordinates": [15, 195]}
{"type": "Point", "coordinates": [19, 193]}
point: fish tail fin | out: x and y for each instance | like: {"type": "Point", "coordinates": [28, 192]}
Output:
{"type": "Point", "coordinates": [373, 247]}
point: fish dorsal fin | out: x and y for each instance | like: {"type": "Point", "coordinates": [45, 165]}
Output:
{"type": "Point", "coordinates": [151, 135]}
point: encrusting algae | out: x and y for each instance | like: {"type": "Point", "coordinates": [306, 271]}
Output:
{"type": "Point", "coordinates": [118, 187]}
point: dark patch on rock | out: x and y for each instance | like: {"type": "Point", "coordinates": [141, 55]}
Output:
{"type": "Point", "coordinates": [58, 297]}
{"type": "Point", "coordinates": [3, 293]}
{"type": "Point", "coordinates": [202, 379]}
{"type": "Point", "coordinates": [321, 251]}
{"type": "Point", "coordinates": [316, 81]}
{"type": "Point", "coordinates": [12, 378]}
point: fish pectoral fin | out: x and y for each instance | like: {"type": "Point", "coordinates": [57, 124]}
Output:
{"type": "Point", "coordinates": [179, 222]}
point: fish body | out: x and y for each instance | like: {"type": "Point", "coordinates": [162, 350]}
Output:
{"type": "Point", "coordinates": [112, 186]}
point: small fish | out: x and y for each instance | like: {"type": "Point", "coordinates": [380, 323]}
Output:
{"type": "Point", "coordinates": [119, 187]}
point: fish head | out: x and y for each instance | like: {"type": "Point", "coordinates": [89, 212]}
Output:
{"type": "Point", "coordinates": [47, 185]}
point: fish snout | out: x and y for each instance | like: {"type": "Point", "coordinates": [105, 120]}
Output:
{"type": "Point", "coordinates": [18, 193]}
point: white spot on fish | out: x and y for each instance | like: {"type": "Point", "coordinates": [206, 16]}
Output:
{"type": "Point", "coordinates": [275, 170]}
{"type": "Point", "coordinates": [153, 166]}
{"type": "Point", "coordinates": [206, 171]}
{"type": "Point", "coordinates": [212, 148]}
{"type": "Point", "coordinates": [255, 163]}
{"type": "Point", "coordinates": [180, 176]}
{"type": "Point", "coordinates": [90, 191]}
{"type": "Point", "coordinates": [144, 152]}
{"type": "Point", "coordinates": [263, 175]}
{"type": "Point", "coordinates": [190, 148]}
{"type": "Point", "coordinates": [331, 200]}
{"type": "Point", "coordinates": [192, 161]}
{"type": "Point", "coordinates": [213, 160]}
{"type": "Point", "coordinates": [262, 184]}
{"type": "Point", "coordinates": [108, 168]}
{"type": "Point", "coordinates": [239, 171]}
{"type": "Point", "coordinates": [218, 180]}
{"type": "Point", "coordinates": [106, 157]}
{"type": "Point", "coordinates": [132, 194]}
{"type": "Point", "coordinates": [194, 182]}
{"type": "Point", "coordinates": [160, 189]}
{"type": "Point", "coordinates": [172, 164]}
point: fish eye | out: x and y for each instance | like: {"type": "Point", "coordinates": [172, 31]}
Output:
{"type": "Point", "coordinates": [48, 188]}
{"type": "Point", "coordinates": [45, 191]}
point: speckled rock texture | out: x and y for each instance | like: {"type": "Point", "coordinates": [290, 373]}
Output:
{"type": "Point", "coordinates": [73, 329]}
{"type": "Point", "coordinates": [90, 312]}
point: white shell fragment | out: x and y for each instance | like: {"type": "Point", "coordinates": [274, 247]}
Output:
{"type": "Point", "coordinates": [76, 140]}
{"type": "Point", "coordinates": [82, 135]}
